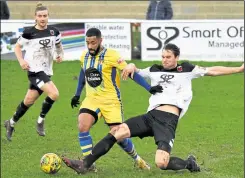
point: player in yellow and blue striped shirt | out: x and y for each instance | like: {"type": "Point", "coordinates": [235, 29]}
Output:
{"type": "Point", "coordinates": [100, 73]}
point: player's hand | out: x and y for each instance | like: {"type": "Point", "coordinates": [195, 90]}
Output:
{"type": "Point", "coordinates": [59, 59]}
{"type": "Point", "coordinates": [24, 65]}
{"type": "Point", "coordinates": [156, 89]}
{"type": "Point", "coordinates": [75, 101]}
{"type": "Point", "coordinates": [129, 69]}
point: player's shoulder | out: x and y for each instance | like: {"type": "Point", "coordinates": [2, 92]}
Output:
{"type": "Point", "coordinates": [53, 30]}
{"type": "Point", "coordinates": [84, 53]}
{"type": "Point", "coordinates": [156, 68]}
{"type": "Point", "coordinates": [111, 52]}
{"type": "Point", "coordinates": [112, 55]}
{"type": "Point", "coordinates": [183, 67]}
{"type": "Point", "coordinates": [187, 66]}
{"type": "Point", "coordinates": [29, 29]}
{"type": "Point", "coordinates": [27, 32]}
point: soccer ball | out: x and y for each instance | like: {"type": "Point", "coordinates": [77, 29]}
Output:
{"type": "Point", "coordinates": [50, 163]}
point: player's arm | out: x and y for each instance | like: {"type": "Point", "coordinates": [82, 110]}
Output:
{"type": "Point", "coordinates": [221, 70]}
{"type": "Point", "coordinates": [18, 52]}
{"type": "Point", "coordinates": [129, 70]}
{"type": "Point", "coordinates": [138, 76]}
{"type": "Point", "coordinates": [132, 70]}
{"type": "Point", "coordinates": [80, 85]}
{"type": "Point", "coordinates": [23, 40]}
{"type": "Point", "coordinates": [59, 48]}
{"type": "Point", "coordinates": [141, 81]}
{"type": "Point", "coordinates": [59, 51]}
{"type": "Point", "coordinates": [198, 71]}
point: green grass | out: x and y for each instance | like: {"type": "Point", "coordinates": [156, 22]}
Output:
{"type": "Point", "coordinates": [212, 129]}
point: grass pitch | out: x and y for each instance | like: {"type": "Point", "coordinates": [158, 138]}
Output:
{"type": "Point", "coordinates": [212, 129]}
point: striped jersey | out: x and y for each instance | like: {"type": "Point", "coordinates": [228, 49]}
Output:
{"type": "Point", "coordinates": [105, 66]}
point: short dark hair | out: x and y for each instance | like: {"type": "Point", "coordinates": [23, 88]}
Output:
{"type": "Point", "coordinates": [172, 47]}
{"type": "Point", "coordinates": [93, 32]}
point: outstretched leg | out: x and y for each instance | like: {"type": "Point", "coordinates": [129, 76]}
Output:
{"type": "Point", "coordinates": [165, 162]}
{"type": "Point", "coordinates": [131, 128]}
{"type": "Point", "coordinates": [101, 148]}
{"type": "Point", "coordinates": [164, 134]}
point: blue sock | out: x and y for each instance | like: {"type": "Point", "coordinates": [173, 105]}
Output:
{"type": "Point", "coordinates": [128, 146]}
{"type": "Point", "coordinates": [86, 143]}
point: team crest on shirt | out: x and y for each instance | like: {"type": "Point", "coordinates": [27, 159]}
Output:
{"type": "Point", "coordinates": [119, 61]}
{"type": "Point", "coordinates": [52, 32]}
{"type": "Point", "coordinates": [179, 68]}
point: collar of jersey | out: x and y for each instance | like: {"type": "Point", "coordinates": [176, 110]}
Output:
{"type": "Point", "coordinates": [174, 69]}
{"type": "Point", "coordinates": [38, 29]}
{"type": "Point", "coordinates": [101, 52]}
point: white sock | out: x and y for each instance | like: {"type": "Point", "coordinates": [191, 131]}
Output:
{"type": "Point", "coordinates": [12, 122]}
{"type": "Point", "coordinates": [137, 158]}
{"type": "Point", "coordinates": [40, 119]}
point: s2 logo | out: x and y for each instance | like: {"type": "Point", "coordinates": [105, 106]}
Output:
{"type": "Point", "coordinates": [166, 78]}
{"type": "Point", "coordinates": [162, 36]}
{"type": "Point", "coordinates": [45, 43]}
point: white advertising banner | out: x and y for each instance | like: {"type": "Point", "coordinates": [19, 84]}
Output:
{"type": "Point", "coordinates": [115, 35]}
{"type": "Point", "coordinates": [73, 38]}
{"type": "Point", "coordinates": [200, 40]}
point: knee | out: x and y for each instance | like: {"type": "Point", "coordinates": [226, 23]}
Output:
{"type": "Point", "coordinates": [54, 95]}
{"type": "Point", "coordinates": [114, 129]}
{"type": "Point", "coordinates": [162, 159]}
{"type": "Point", "coordinates": [28, 101]}
{"type": "Point", "coordinates": [84, 124]}
{"type": "Point", "coordinates": [120, 132]}
{"type": "Point", "coordinates": [162, 164]}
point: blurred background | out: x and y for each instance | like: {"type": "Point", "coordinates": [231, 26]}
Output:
{"type": "Point", "coordinates": [128, 9]}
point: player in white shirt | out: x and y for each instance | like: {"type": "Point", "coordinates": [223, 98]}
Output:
{"type": "Point", "coordinates": [164, 111]}
{"type": "Point", "coordinates": [42, 44]}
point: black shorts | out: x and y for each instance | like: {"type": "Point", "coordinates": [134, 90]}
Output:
{"type": "Point", "coordinates": [37, 80]}
{"type": "Point", "coordinates": [162, 125]}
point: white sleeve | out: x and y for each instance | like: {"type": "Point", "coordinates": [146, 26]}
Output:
{"type": "Point", "coordinates": [58, 38]}
{"type": "Point", "coordinates": [144, 72]}
{"type": "Point", "coordinates": [199, 71]}
{"type": "Point", "coordinates": [22, 41]}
